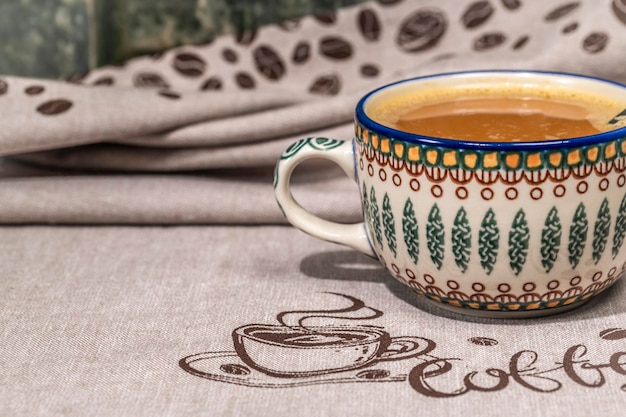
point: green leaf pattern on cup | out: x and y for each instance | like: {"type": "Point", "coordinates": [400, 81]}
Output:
{"type": "Point", "coordinates": [577, 235]}
{"type": "Point", "coordinates": [381, 224]}
{"type": "Point", "coordinates": [375, 217]}
{"type": "Point", "coordinates": [550, 239]}
{"type": "Point", "coordinates": [435, 236]}
{"type": "Point", "coordinates": [519, 235]}
{"type": "Point", "coordinates": [461, 239]}
{"type": "Point", "coordinates": [389, 225]}
{"type": "Point", "coordinates": [601, 231]}
{"type": "Point", "coordinates": [410, 231]}
{"type": "Point", "coordinates": [620, 228]}
{"type": "Point", "coordinates": [488, 241]}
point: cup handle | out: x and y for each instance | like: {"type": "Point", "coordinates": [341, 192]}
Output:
{"type": "Point", "coordinates": [338, 151]}
{"type": "Point", "coordinates": [406, 347]}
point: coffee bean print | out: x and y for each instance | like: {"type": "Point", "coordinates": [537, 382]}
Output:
{"type": "Point", "coordinates": [369, 25]}
{"type": "Point", "coordinates": [172, 95]}
{"type": "Point", "coordinates": [104, 81]}
{"type": "Point", "coordinates": [335, 47]}
{"type": "Point", "coordinates": [511, 4]}
{"type": "Point", "coordinates": [34, 90]}
{"type": "Point", "coordinates": [189, 65]}
{"type": "Point", "coordinates": [212, 84]}
{"type": "Point", "coordinates": [77, 77]}
{"type": "Point", "coordinates": [570, 28]}
{"type": "Point", "coordinates": [150, 80]}
{"type": "Point", "coordinates": [246, 37]}
{"type": "Point", "coordinates": [234, 369]}
{"type": "Point", "coordinates": [619, 9]}
{"type": "Point", "coordinates": [561, 11]}
{"type": "Point", "coordinates": [372, 374]}
{"type": "Point", "coordinates": [326, 85]}
{"type": "Point", "coordinates": [613, 334]}
{"type": "Point", "coordinates": [289, 25]}
{"type": "Point", "coordinates": [244, 80]}
{"type": "Point", "coordinates": [390, 2]}
{"type": "Point", "coordinates": [369, 70]}
{"type": "Point", "coordinates": [269, 63]}
{"type": "Point", "coordinates": [230, 56]}
{"type": "Point", "coordinates": [421, 31]}
{"type": "Point", "coordinates": [595, 42]}
{"type": "Point", "coordinates": [4, 87]}
{"type": "Point", "coordinates": [326, 18]}
{"type": "Point", "coordinates": [54, 107]}
{"type": "Point", "coordinates": [489, 41]}
{"type": "Point", "coordinates": [301, 53]}
{"type": "Point", "coordinates": [519, 44]}
{"type": "Point", "coordinates": [476, 14]}
{"type": "Point", "coordinates": [483, 341]}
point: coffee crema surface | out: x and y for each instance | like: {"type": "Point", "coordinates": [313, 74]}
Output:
{"type": "Point", "coordinates": [498, 114]}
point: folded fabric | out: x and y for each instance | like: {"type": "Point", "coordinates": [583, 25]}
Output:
{"type": "Point", "coordinates": [237, 102]}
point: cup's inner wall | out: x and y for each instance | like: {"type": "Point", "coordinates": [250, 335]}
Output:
{"type": "Point", "coordinates": [602, 100]}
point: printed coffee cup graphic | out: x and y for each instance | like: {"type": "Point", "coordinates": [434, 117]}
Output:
{"type": "Point", "coordinates": [295, 353]}
{"type": "Point", "coordinates": [301, 352]}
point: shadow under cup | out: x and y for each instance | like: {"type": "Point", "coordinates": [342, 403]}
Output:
{"type": "Point", "coordinates": [487, 228]}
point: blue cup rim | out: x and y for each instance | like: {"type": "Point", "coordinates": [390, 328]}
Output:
{"type": "Point", "coordinates": [396, 134]}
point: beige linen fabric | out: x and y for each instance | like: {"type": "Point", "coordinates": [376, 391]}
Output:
{"type": "Point", "coordinates": [239, 101]}
{"type": "Point", "coordinates": [95, 322]}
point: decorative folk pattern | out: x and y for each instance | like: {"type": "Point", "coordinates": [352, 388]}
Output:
{"type": "Point", "coordinates": [488, 167]}
{"type": "Point", "coordinates": [562, 236]}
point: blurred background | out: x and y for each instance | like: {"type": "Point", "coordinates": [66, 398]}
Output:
{"type": "Point", "coordinates": [65, 38]}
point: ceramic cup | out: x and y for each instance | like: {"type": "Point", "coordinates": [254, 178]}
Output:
{"type": "Point", "coordinates": [497, 229]}
{"type": "Point", "coordinates": [301, 352]}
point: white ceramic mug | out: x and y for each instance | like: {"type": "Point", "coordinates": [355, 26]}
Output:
{"type": "Point", "coordinates": [498, 229]}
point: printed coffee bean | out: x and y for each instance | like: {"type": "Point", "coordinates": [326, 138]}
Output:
{"type": "Point", "coordinates": [561, 11]}
{"type": "Point", "coordinates": [483, 341]}
{"type": "Point", "coordinates": [613, 334]}
{"type": "Point", "coordinates": [213, 83]}
{"type": "Point", "coordinates": [104, 81]}
{"type": "Point", "coordinates": [327, 85]}
{"type": "Point", "coordinates": [172, 95]}
{"type": "Point", "coordinates": [369, 70]}
{"type": "Point", "coordinates": [188, 64]}
{"type": "Point", "coordinates": [269, 63]}
{"type": "Point", "coordinates": [570, 28]}
{"type": "Point", "coordinates": [335, 48]}
{"type": "Point", "coordinates": [234, 369]}
{"type": "Point", "coordinates": [489, 41]}
{"type": "Point", "coordinates": [619, 9]}
{"type": "Point", "coordinates": [519, 44]}
{"type": "Point", "coordinates": [369, 25]}
{"type": "Point", "coordinates": [389, 2]}
{"type": "Point", "coordinates": [289, 25]}
{"type": "Point", "coordinates": [4, 87]}
{"type": "Point", "coordinates": [301, 53]}
{"type": "Point", "coordinates": [77, 77]}
{"type": "Point", "coordinates": [54, 107]}
{"type": "Point", "coordinates": [244, 80]}
{"type": "Point", "coordinates": [150, 80]}
{"type": "Point", "coordinates": [511, 4]}
{"type": "Point", "coordinates": [33, 90]}
{"type": "Point", "coordinates": [246, 37]}
{"type": "Point", "coordinates": [476, 14]}
{"type": "Point", "coordinates": [229, 55]}
{"type": "Point", "coordinates": [595, 42]}
{"type": "Point", "coordinates": [326, 18]}
{"type": "Point", "coordinates": [373, 374]}
{"type": "Point", "coordinates": [421, 31]}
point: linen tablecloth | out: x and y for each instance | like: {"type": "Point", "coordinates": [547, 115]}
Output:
{"type": "Point", "coordinates": [141, 238]}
